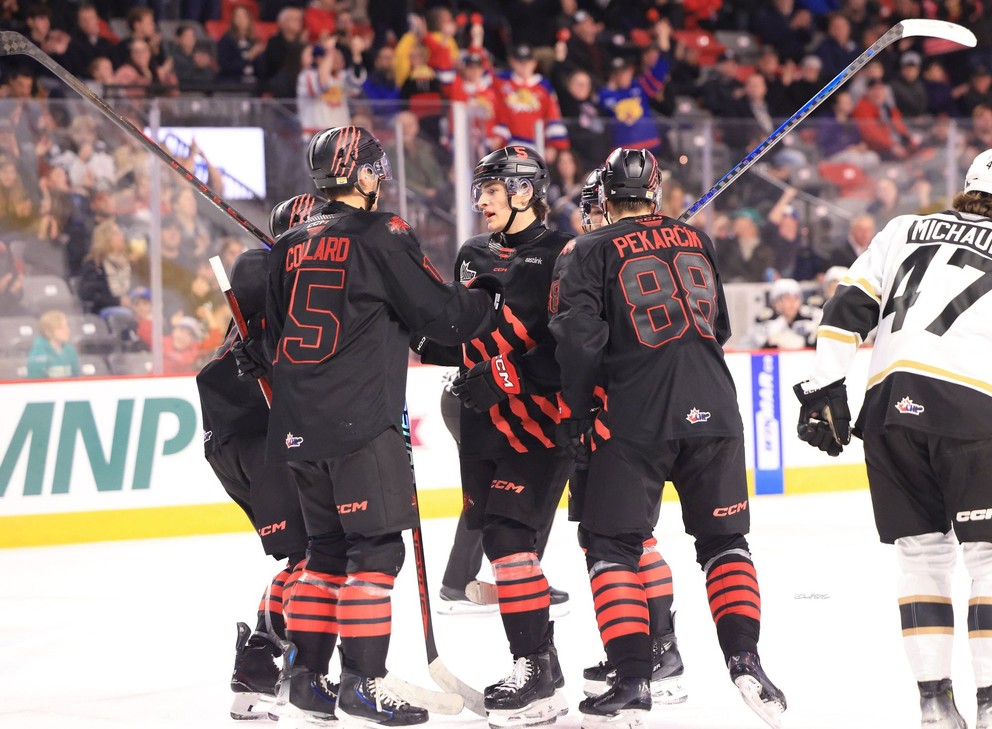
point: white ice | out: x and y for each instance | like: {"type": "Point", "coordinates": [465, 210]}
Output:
{"type": "Point", "coordinates": [141, 633]}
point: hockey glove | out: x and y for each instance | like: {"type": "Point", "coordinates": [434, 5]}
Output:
{"type": "Point", "coordinates": [824, 417]}
{"type": "Point", "coordinates": [574, 435]}
{"type": "Point", "coordinates": [491, 285]}
{"type": "Point", "coordinates": [487, 383]}
{"type": "Point", "coordinates": [251, 359]}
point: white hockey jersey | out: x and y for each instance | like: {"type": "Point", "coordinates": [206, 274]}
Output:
{"type": "Point", "coordinates": [923, 282]}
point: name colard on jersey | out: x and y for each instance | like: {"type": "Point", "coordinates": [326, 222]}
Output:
{"type": "Point", "coordinates": [935, 230]}
{"type": "Point", "coordinates": [656, 238]}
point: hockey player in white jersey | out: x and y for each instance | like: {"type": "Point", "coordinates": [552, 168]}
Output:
{"type": "Point", "coordinates": [926, 421]}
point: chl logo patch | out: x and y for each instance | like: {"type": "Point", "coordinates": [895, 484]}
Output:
{"type": "Point", "coordinates": [465, 273]}
{"type": "Point", "coordinates": [908, 407]}
{"type": "Point", "coordinates": [697, 416]}
{"type": "Point", "coordinates": [207, 435]}
{"type": "Point", "coordinates": [293, 441]}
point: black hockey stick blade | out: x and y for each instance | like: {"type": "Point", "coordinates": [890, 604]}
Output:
{"type": "Point", "coordinates": [15, 44]}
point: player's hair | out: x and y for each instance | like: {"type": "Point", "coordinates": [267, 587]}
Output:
{"type": "Point", "coordinates": [539, 206]}
{"type": "Point", "coordinates": [630, 207]}
{"type": "Point", "coordinates": [973, 201]}
{"type": "Point", "coordinates": [336, 193]}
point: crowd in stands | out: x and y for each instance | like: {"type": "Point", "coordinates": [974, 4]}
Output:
{"type": "Point", "coordinates": [574, 77]}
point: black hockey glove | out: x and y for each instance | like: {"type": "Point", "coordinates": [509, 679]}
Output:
{"type": "Point", "coordinates": [418, 342]}
{"type": "Point", "coordinates": [491, 285]}
{"type": "Point", "coordinates": [824, 417]}
{"type": "Point", "coordinates": [487, 383]}
{"type": "Point", "coordinates": [574, 435]}
{"type": "Point", "coordinates": [251, 359]}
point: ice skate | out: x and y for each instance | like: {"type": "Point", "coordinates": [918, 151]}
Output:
{"type": "Point", "coordinates": [527, 697]}
{"type": "Point", "coordinates": [255, 674]}
{"type": "Point", "coordinates": [666, 674]}
{"type": "Point", "coordinates": [937, 708]}
{"type": "Point", "coordinates": [456, 602]}
{"type": "Point", "coordinates": [984, 720]}
{"type": "Point", "coordinates": [624, 706]}
{"type": "Point", "coordinates": [756, 688]}
{"type": "Point", "coordinates": [304, 697]}
{"type": "Point", "coordinates": [365, 701]}
{"type": "Point", "coordinates": [559, 603]}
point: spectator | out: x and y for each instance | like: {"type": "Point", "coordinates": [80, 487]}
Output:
{"type": "Point", "coordinates": [181, 349]}
{"type": "Point", "coordinates": [279, 63]}
{"type": "Point", "coordinates": [474, 87]}
{"type": "Point", "coordinates": [839, 137]}
{"type": "Point", "coordinates": [209, 305]}
{"type": "Point", "coordinates": [776, 97]}
{"type": "Point", "coordinates": [230, 248]}
{"type": "Point", "coordinates": [423, 93]}
{"type": "Point", "coordinates": [107, 276]}
{"type": "Point", "coordinates": [908, 90]}
{"type": "Point", "coordinates": [808, 83]}
{"type": "Point", "coordinates": [140, 71]}
{"type": "Point", "coordinates": [380, 83]}
{"type": "Point", "coordinates": [838, 49]}
{"type": "Point", "coordinates": [881, 124]}
{"type": "Point", "coordinates": [891, 200]}
{"type": "Point", "coordinates": [980, 138]}
{"type": "Point", "coordinates": [586, 128]}
{"type": "Point", "coordinates": [674, 200]}
{"type": "Point", "coordinates": [859, 235]}
{"type": "Point", "coordinates": [783, 232]}
{"type": "Point", "coordinates": [436, 36]}
{"type": "Point", "coordinates": [627, 107]}
{"type": "Point", "coordinates": [200, 10]}
{"type": "Point", "coordinates": [195, 231]}
{"type": "Point", "coordinates": [86, 160]}
{"type": "Point", "coordinates": [833, 276]}
{"type": "Point", "coordinates": [141, 22]}
{"type": "Point", "coordinates": [139, 337]}
{"type": "Point", "coordinates": [194, 67]}
{"type": "Point", "coordinates": [785, 27]}
{"type": "Point", "coordinates": [940, 93]}
{"type": "Point", "coordinates": [238, 50]}
{"type": "Point", "coordinates": [743, 256]}
{"type": "Point", "coordinates": [755, 120]}
{"type": "Point", "coordinates": [979, 91]}
{"type": "Point", "coordinates": [87, 43]}
{"type": "Point", "coordinates": [101, 75]}
{"type": "Point", "coordinates": [51, 353]}
{"type": "Point", "coordinates": [323, 89]}
{"type": "Point", "coordinates": [11, 282]}
{"type": "Point", "coordinates": [566, 179]}
{"type": "Point", "coordinates": [525, 99]}
{"type": "Point", "coordinates": [16, 206]}
{"type": "Point", "coordinates": [63, 224]}
{"type": "Point", "coordinates": [788, 323]}
{"type": "Point", "coordinates": [425, 176]}
{"type": "Point", "coordinates": [586, 49]}
{"type": "Point", "coordinates": [722, 93]}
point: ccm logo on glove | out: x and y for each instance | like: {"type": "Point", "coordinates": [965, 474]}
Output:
{"type": "Point", "coordinates": [506, 375]}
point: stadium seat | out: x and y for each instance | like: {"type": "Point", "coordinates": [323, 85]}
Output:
{"type": "Point", "coordinates": [849, 179]}
{"type": "Point", "coordinates": [90, 334]}
{"type": "Point", "coordinates": [130, 363]}
{"type": "Point", "coordinates": [17, 333]}
{"type": "Point", "coordinates": [227, 9]}
{"type": "Point", "coordinates": [13, 369]}
{"type": "Point", "coordinates": [266, 30]}
{"type": "Point", "coordinates": [744, 301]}
{"type": "Point", "coordinates": [43, 293]}
{"type": "Point", "coordinates": [740, 42]}
{"type": "Point", "coordinates": [216, 28]}
{"type": "Point", "coordinates": [704, 41]}
{"type": "Point", "coordinates": [92, 365]}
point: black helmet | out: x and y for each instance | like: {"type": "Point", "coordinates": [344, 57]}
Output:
{"type": "Point", "coordinates": [589, 196]}
{"type": "Point", "coordinates": [511, 166]}
{"type": "Point", "coordinates": [631, 174]}
{"type": "Point", "coordinates": [290, 213]}
{"type": "Point", "coordinates": [249, 277]}
{"type": "Point", "coordinates": [336, 156]}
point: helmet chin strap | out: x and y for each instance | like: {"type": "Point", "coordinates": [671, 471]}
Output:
{"type": "Point", "coordinates": [370, 197]}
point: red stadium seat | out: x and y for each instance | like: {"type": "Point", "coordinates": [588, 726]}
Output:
{"type": "Point", "coordinates": [849, 179]}
{"type": "Point", "coordinates": [704, 41]}
{"type": "Point", "coordinates": [265, 30]}
{"type": "Point", "coordinates": [216, 28]}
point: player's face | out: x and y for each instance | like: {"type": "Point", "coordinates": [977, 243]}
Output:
{"type": "Point", "coordinates": [788, 306]}
{"type": "Point", "coordinates": [595, 218]}
{"type": "Point", "coordinates": [494, 206]}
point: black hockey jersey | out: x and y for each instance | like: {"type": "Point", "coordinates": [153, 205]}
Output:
{"type": "Point", "coordinates": [230, 407]}
{"type": "Point", "coordinates": [524, 263]}
{"type": "Point", "coordinates": [345, 290]}
{"type": "Point", "coordinates": [638, 307]}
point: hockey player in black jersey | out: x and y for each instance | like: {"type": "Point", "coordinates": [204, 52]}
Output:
{"type": "Point", "coordinates": [512, 473]}
{"type": "Point", "coordinates": [345, 291]}
{"type": "Point", "coordinates": [922, 285]}
{"type": "Point", "coordinates": [653, 572]}
{"type": "Point", "coordinates": [235, 418]}
{"type": "Point", "coordinates": [640, 302]}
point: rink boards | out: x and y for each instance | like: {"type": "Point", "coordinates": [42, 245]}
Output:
{"type": "Point", "coordinates": [122, 458]}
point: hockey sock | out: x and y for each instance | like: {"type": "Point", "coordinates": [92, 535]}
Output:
{"type": "Point", "coordinates": [311, 612]}
{"type": "Point", "coordinates": [622, 615]}
{"type": "Point", "coordinates": [735, 601]}
{"type": "Point", "coordinates": [365, 614]}
{"type": "Point", "coordinates": [270, 618]}
{"type": "Point", "coordinates": [978, 559]}
{"type": "Point", "coordinates": [524, 602]}
{"type": "Point", "coordinates": [927, 562]}
{"type": "Point", "coordinates": [656, 577]}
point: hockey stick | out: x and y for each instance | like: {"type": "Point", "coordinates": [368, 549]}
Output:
{"type": "Point", "coordinates": [904, 29]}
{"type": "Point", "coordinates": [239, 321]}
{"type": "Point", "coordinates": [15, 44]}
{"type": "Point", "coordinates": [439, 672]}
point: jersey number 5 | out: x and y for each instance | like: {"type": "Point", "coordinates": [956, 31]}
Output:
{"type": "Point", "coordinates": [311, 333]}
{"type": "Point", "coordinates": [663, 296]}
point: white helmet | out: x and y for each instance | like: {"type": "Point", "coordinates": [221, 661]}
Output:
{"type": "Point", "coordinates": [979, 176]}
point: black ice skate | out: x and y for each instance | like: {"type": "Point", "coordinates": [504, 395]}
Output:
{"type": "Point", "coordinates": [364, 701]}
{"type": "Point", "coordinates": [624, 706]}
{"type": "Point", "coordinates": [756, 688]}
{"type": "Point", "coordinates": [666, 673]}
{"type": "Point", "coordinates": [527, 697]}
{"type": "Point", "coordinates": [255, 674]}
{"type": "Point", "coordinates": [984, 708]}
{"type": "Point", "coordinates": [304, 695]}
{"type": "Point", "coordinates": [937, 708]}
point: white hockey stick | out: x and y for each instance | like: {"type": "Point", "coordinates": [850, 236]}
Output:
{"type": "Point", "coordinates": [904, 29]}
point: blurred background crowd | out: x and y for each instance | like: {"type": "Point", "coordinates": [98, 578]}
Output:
{"type": "Point", "coordinates": [85, 210]}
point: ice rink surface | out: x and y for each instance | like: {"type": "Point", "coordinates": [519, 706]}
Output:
{"type": "Point", "coordinates": [141, 634]}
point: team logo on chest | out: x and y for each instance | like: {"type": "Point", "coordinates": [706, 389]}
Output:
{"type": "Point", "coordinates": [465, 273]}
{"type": "Point", "coordinates": [697, 416]}
{"type": "Point", "coordinates": [908, 407]}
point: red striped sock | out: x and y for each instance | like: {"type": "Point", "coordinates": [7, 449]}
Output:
{"type": "Point", "coordinates": [270, 606]}
{"type": "Point", "coordinates": [366, 618]}
{"type": "Point", "coordinates": [732, 589]}
{"type": "Point", "coordinates": [656, 577]}
{"type": "Point", "coordinates": [621, 606]}
{"type": "Point", "coordinates": [521, 584]}
{"type": "Point", "coordinates": [311, 610]}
